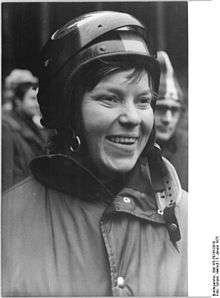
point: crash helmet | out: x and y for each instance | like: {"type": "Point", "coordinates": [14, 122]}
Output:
{"type": "Point", "coordinates": [83, 40]}
{"type": "Point", "coordinates": [169, 87]}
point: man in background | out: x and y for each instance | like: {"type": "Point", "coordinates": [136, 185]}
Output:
{"type": "Point", "coordinates": [22, 135]}
{"type": "Point", "coordinates": [172, 139]}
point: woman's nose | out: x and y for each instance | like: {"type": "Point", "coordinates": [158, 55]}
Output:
{"type": "Point", "coordinates": [129, 115]}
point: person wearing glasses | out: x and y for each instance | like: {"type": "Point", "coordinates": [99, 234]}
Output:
{"type": "Point", "coordinates": [169, 110]}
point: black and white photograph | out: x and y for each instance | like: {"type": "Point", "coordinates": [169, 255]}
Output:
{"type": "Point", "coordinates": [95, 176]}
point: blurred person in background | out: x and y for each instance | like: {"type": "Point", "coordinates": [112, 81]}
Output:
{"type": "Point", "coordinates": [22, 135]}
{"type": "Point", "coordinates": [169, 108]}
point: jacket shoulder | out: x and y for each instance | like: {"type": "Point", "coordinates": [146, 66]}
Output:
{"type": "Point", "coordinates": [10, 123]}
{"type": "Point", "coordinates": [23, 195]}
{"type": "Point", "coordinates": [29, 183]}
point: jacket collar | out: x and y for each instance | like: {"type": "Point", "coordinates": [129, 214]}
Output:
{"type": "Point", "coordinates": [70, 176]}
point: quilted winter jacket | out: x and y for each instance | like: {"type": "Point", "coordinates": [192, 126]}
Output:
{"type": "Point", "coordinates": [66, 235]}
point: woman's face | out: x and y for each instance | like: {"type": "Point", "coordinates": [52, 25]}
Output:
{"type": "Point", "coordinates": [117, 119]}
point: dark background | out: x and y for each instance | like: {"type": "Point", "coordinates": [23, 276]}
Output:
{"type": "Point", "coordinates": [27, 25]}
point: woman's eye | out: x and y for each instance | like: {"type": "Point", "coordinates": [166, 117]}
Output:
{"type": "Point", "coordinates": [108, 99]}
{"type": "Point", "coordinates": [144, 102]}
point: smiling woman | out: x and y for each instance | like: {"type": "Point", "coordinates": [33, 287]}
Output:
{"type": "Point", "coordinates": [104, 213]}
{"type": "Point", "coordinates": [118, 118]}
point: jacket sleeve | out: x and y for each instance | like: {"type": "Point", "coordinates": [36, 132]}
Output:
{"type": "Point", "coordinates": [7, 157]}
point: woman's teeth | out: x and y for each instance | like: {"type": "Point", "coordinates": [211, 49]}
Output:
{"type": "Point", "coordinates": [123, 140]}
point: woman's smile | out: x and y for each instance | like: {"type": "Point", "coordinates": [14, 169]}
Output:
{"type": "Point", "coordinates": [117, 120]}
{"type": "Point", "coordinates": [122, 145]}
{"type": "Point", "coordinates": [122, 139]}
